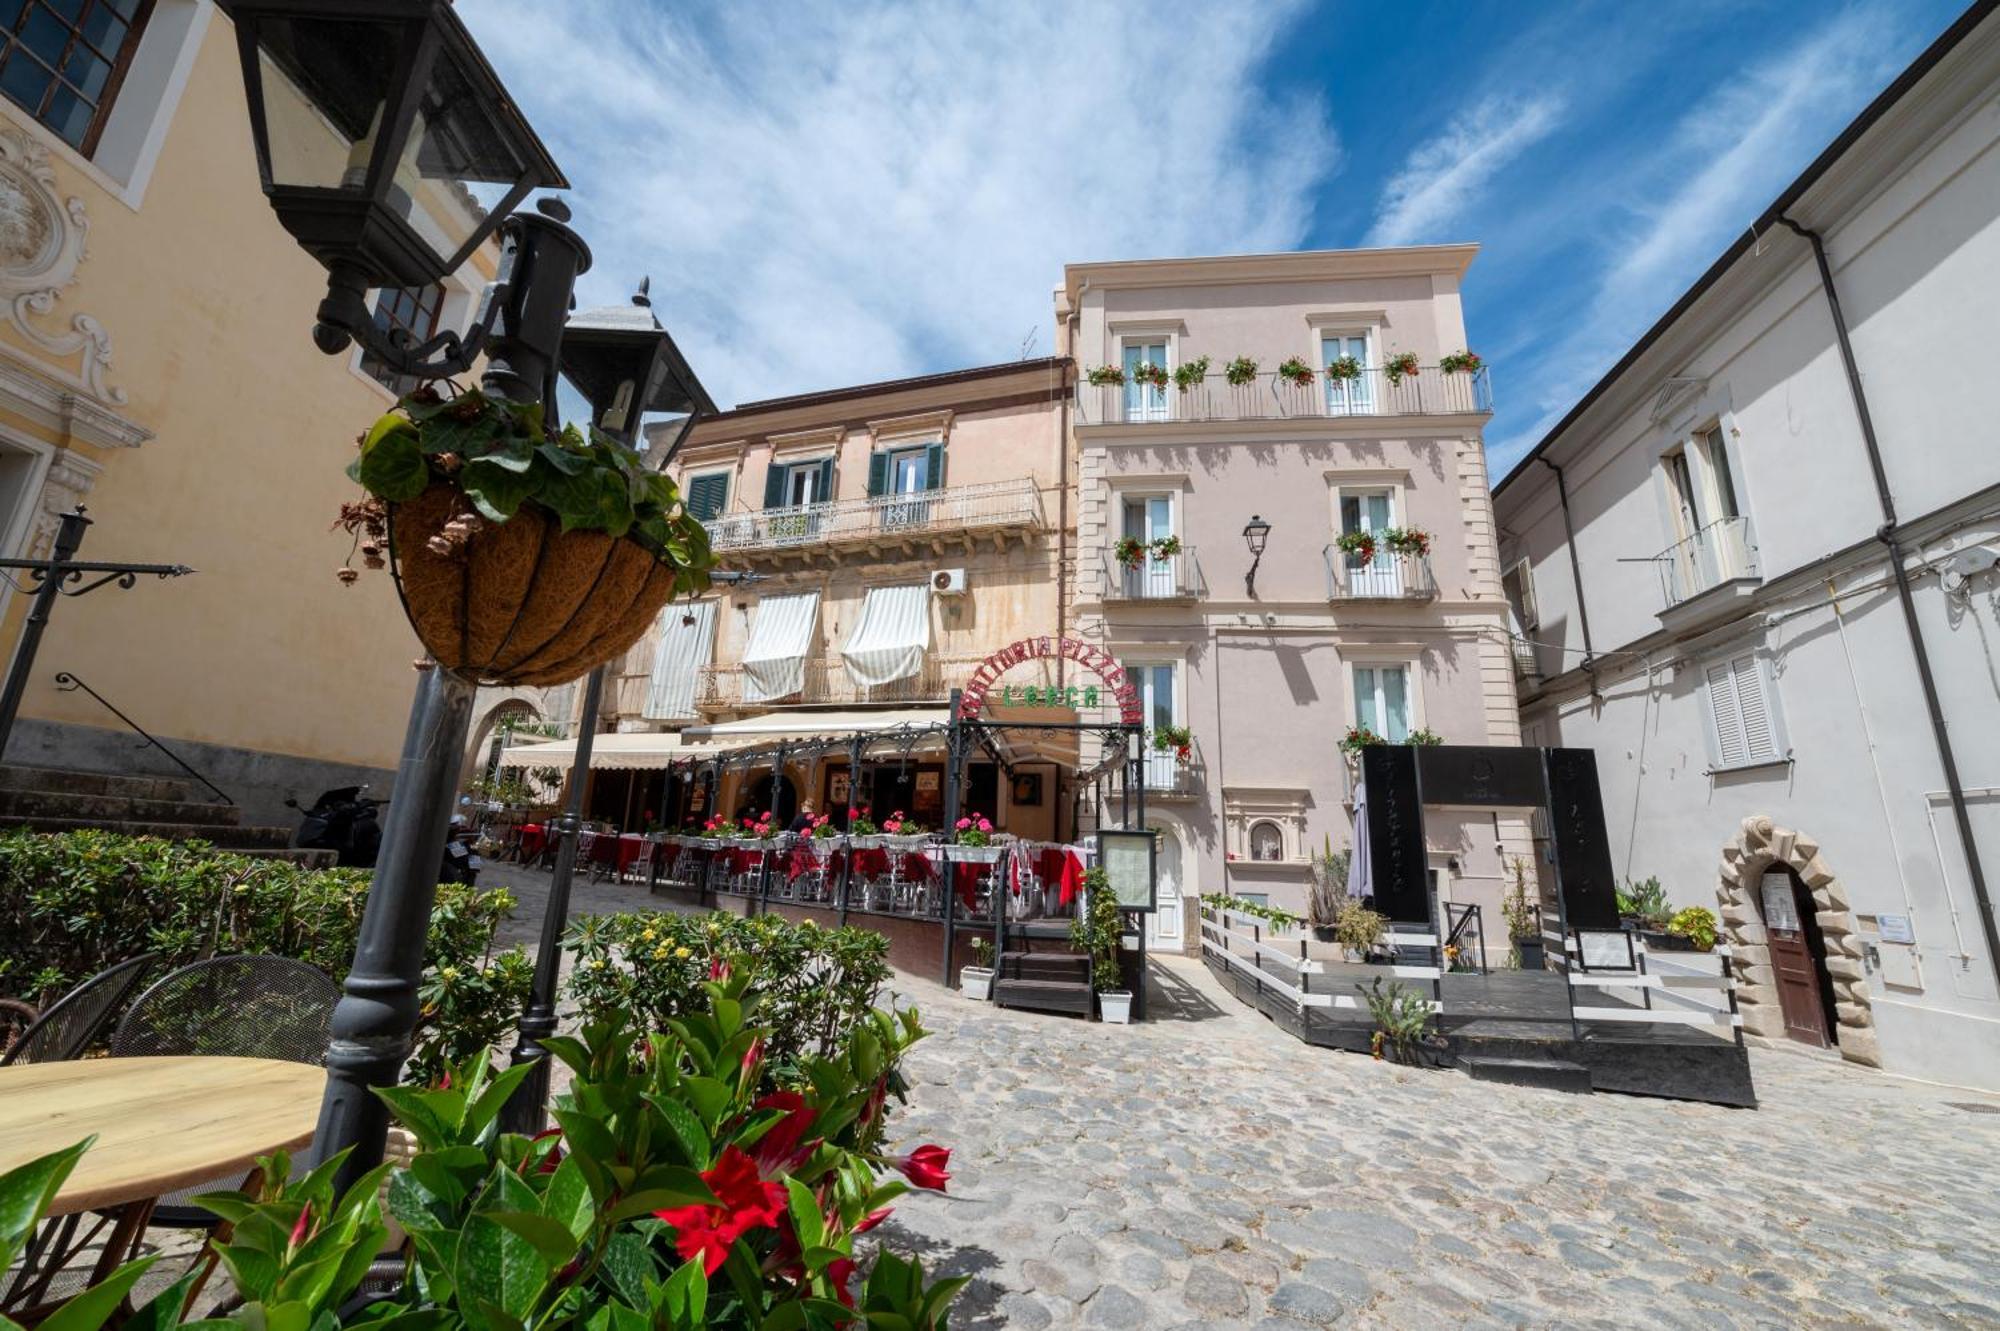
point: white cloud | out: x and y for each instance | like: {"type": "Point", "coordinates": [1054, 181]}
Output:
{"type": "Point", "coordinates": [1719, 166]}
{"type": "Point", "coordinates": [1444, 177]}
{"type": "Point", "coordinates": [827, 194]}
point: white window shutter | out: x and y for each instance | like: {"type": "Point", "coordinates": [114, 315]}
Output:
{"type": "Point", "coordinates": [1722, 709]}
{"type": "Point", "coordinates": [1759, 739]}
{"type": "Point", "coordinates": [1524, 584]}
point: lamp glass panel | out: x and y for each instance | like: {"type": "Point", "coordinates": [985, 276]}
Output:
{"type": "Point", "coordinates": [326, 86]}
{"type": "Point", "coordinates": [456, 143]}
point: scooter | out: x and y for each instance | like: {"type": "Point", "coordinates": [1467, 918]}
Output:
{"type": "Point", "coordinates": [348, 823]}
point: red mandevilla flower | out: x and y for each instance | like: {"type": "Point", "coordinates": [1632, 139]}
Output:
{"type": "Point", "coordinates": [747, 1202]}
{"type": "Point", "coordinates": [925, 1167]}
{"type": "Point", "coordinates": [303, 1229]}
{"type": "Point", "coordinates": [783, 1147]}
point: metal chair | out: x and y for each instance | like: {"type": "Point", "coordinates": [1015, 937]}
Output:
{"type": "Point", "coordinates": [235, 1006]}
{"type": "Point", "coordinates": [67, 1029]}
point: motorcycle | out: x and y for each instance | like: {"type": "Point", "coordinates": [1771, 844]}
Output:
{"type": "Point", "coordinates": [346, 821]}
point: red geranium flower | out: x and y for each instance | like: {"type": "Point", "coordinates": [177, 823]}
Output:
{"type": "Point", "coordinates": [747, 1203]}
{"type": "Point", "coordinates": [925, 1167]}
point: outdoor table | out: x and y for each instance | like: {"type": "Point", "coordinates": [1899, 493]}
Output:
{"type": "Point", "coordinates": [161, 1124]}
{"type": "Point", "coordinates": [631, 845]}
{"type": "Point", "coordinates": [533, 841]}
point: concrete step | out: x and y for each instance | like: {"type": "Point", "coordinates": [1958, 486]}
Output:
{"type": "Point", "coordinates": [1548, 1074]}
{"type": "Point", "coordinates": [221, 837]}
{"type": "Point", "coordinates": [13, 776]}
{"type": "Point", "coordinates": [115, 808]}
{"type": "Point", "coordinates": [1043, 995]}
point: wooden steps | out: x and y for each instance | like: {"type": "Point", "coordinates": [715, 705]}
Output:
{"type": "Point", "coordinates": [1046, 979]}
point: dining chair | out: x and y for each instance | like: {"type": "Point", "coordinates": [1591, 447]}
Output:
{"type": "Point", "coordinates": [79, 1017]}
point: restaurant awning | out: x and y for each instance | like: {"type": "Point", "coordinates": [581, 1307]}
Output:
{"type": "Point", "coordinates": [781, 636]}
{"type": "Point", "coordinates": [793, 723]}
{"type": "Point", "coordinates": [687, 640]}
{"type": "Point", "coordinates": [894, 633]}
{"type": "Point", "coordinates": [610, 752]}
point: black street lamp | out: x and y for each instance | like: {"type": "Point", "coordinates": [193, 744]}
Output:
{"type": "Point", "coordinates": [625, 365]}
{"type": "Point", "coordinates": [372, 118]}
{"type": "Point", "coordinates": [373, 121]}
{"type": "Point", "coordinates": [1255, 533]}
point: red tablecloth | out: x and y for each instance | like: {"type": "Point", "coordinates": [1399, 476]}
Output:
{"type": "Point", "coordinates": [534, 840]}
{"type": "Point", "coordinates": [631, 846]}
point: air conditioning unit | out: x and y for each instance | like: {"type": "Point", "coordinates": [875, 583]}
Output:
{"type": "Point", "coordinates": [948, 582]}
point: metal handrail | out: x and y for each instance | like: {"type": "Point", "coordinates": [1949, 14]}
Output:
{"type": "Point", "coordinates": [952, 508]}
{"type": "Point", "coordinates": [1270, 396]}
{"type": "Point", "coordinates": [1174, 577]}
{"type": "Point", "coordinates": [1390, 576]}
{"type": "Point", "coordinates": [1712, 556]}
{"type": "Point", "coordinates": [69, 683]}
{"type": "Point", "coordinates": [825, 680]}
{"type": "Point", "coordinates": [1463, 917]}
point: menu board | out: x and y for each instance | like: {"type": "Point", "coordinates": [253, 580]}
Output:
{"type": "Point", "coordinates": [1127, 860]}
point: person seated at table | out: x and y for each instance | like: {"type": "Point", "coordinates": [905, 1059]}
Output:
{"type": "Point", "coordinates": [802, 821]}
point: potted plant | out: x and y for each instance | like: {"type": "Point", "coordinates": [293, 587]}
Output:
{"type": "Point", "coordinates": [1358, 545]}
{"type": "Point", "coordinates": [903, 833]}
{"type": "Point", "coordinates": [1642, 904]}
{"type": "Point", "coordinates": [1105, 376]}
{"type": "Point", "coordinates": [1296, 373]}
{"type": "Point", "coordinates": [1424, 739]}
{"type": "Point", "coordinates": [1403, 1018]}
{"type": "Point", "coordinates": [1358, 738]}
{"type": "Point", "coordinates": [1189, 374]}
{"type": "Point", "coordinates": [1329, 891]}
{"type": "Point", "coordinates": [1096, 932]}
{"type": "Point", "coordinates": [1407, 540]}
{"type": "Point", "coordinates": [1145, 372]}
{"type": "Point", "coordinates": [1240, 371]}
{"type": "Point", "coordinates": [523, 555]}
{"type": "Point", "coordinates": [972, 836]}
{"type": "Point", "coordinates": [862, 833]}
{"type": "Point", "coordinates": [1130, 552]}
{"type": "Point", "coordinates": [1401, 366]}
{"type": "Point", "coordinates": [1165, 547]}
{"type": "Point", "coordinates": [1524, 920]}
{"type": "Point", "coordinates": [1177, 740]}
{"type": "Point", "coordinates": [1343, 369]}
{"type": "Point", "coordinates": [976, 981]}
{"type": "Point", "coordinates": [1695, 924]}
{"type": "Point", "coordinates": [1358, 929]}
{"type": "Point", "coordinates": [1461, 362]}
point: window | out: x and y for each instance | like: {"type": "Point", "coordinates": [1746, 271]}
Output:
{"type": "Point", "coordinates": [1370, 511]}
{"type": "Point", "coordinates": [1148, 519]}
{"type": "Point", "coordinates": [1267, 841]}
{"type": "Point", "coordinates": [906, 471]}
{"type": "Point", "coordinates": [1348, 397]}
{"type": "Point", "coordinates": [1710, 538]}
{"type": "Point", "coordinates": [1744, 728]}
{"type": "Point", "coordinates": [62, 60]}
{"type": "Point", "coordinates": [410, 310]}
{"type": "Point", "coordinates": [1144, 401]}
{"type": "Point", "coordinates": [1519, 582]}
{"type": "Point", "coordinates": [707, 495]}
{"type": "Point", "coordinates": [796, 484]}
{"type": "Point", "coordinates": [1382, 701]}
{"type": "Point", "coordinates": [1160, 704]}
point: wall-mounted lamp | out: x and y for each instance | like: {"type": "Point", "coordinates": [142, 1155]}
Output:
{"type": "Point", "coordinates": [1255, 533]}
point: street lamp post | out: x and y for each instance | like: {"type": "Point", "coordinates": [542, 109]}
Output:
{"type": "Point", "coordinates": [1256, 533]}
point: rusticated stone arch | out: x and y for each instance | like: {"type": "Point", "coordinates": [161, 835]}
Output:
{"type": "Point", "coordinates": [1758, 845]}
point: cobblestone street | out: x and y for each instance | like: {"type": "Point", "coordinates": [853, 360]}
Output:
{"type": "Point", "coordinates": [1204, 1169]}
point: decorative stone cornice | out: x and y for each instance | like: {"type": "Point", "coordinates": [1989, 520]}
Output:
{"type": "Point", "coordinates": [1306, 266]}
{"type": "Point", "coordinates": [29, 392]}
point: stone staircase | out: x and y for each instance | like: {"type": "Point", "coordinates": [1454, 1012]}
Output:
{"type": "Point", "coordinates": [49, 799]}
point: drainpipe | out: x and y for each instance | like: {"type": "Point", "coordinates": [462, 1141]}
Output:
{"type": "Point", "coordinates": [1886, 534]}
{"type": "Point", "coordinates": [1576, 575]}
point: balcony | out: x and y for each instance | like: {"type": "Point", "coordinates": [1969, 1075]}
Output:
{"type": "Point", "coordinates": [927, 519]}
{"type": "Point", "coordinates": [721, 688]}
{"type": "Point", "coordinates": [1174, 577]}
{"type": "Point", "coordinates": [1707, 575]}
{"type": "Point", "coordinates": [1387, 577]}
{"type": "Point", "coordinates": [1429, 392]}
{"type": "Point", "coordinates": [1166, 777]}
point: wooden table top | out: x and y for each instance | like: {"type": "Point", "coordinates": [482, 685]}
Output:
{"type": "Point", "coordinates": [161, 1123]}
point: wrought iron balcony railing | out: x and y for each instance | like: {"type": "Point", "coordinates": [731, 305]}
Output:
{"type": "Point", "coordinates": [1174, 577]}
{"type": "Point", "coordinates": [722, 687]}
{"type": "Point", "coordinates": [1718, 553]}
{"type": "Point", "coordinates": [1268, 396]}
{"type": "Point", "coordinates": [885, 518]}
{"type": "Point", "coordinates": [1389, 576]}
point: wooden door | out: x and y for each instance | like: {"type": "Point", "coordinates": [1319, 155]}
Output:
{"type": "Point", "coordinates": [1797, 957]}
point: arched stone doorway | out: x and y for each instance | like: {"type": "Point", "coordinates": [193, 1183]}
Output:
{"type": "Point", "coordinates": [1759, 846]}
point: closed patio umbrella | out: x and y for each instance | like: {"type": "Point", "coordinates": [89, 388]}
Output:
{"type": "Point", "coordinates": [1360, 881]}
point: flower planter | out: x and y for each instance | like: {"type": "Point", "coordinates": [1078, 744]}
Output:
{"type": "Point", "coordinates": [1115, 1007]}
{"type": "Point", "coordinates": [975, 854]}
{"type": "Point", "coordinates": [1659, 940]}
{"type": "Point", "coordinates": [1324, 933]}
{"type": "Point", "coordinates": [976, 982]}
{"type": "Point", "coordinates": [1531, 953]}
{"type": "Point", "coordinates": [905, 844]}
{"type": "Point", "coordinates": [873, 841]}
{"type": "Point", "coordinates": [521, 602]}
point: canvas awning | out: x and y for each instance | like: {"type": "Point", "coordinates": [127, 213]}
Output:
{"type": "Point", "coordinates": [892, 636]}
{"type": "Point", "coordinates": [684, 649]}
{"type": "Point", "coordinates": [610, 752]}
{"type": "Point", "coordinates": [800, 724]}
{"type": "Point", "coordinates": [781, 636]}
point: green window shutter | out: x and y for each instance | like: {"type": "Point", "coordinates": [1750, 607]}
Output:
{"type": "Point", "coordinates": [774, 487]}
{"type": "Point", "coordinates": [934, 466]}
{"type": "Point", "coordinates": [706, 496]}
{"type": "Point", "coordinates": [826, 481]}
{"type": "Point", "coordinates": [878, 474]}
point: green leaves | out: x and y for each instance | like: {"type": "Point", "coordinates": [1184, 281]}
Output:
{"type": "Point", "coordinates": [392, 465]}
{"type": "Point", "coordinates": [27, 1190]}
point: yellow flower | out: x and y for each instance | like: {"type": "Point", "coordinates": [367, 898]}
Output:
{"type": "Point", "coordinates": [660, 951]}
{"type": "Point", "coordinates": [648, 935]}
{"type": "Point", "coordinates": [682, 953]}
{"type": "Point", "coordinates": [448, 973]}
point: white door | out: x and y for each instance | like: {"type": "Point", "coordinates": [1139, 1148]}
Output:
{"type": "Point", "coordinates": [1144, 402]}
{"type": "Point", "coordinates": [1147, 521]}
{"type": "Point", "coordinates": [1371, 511]}
{"type": "Point", "coordinates": [909, 474]}
{"type": "Point", "coordinates": [1163, 926]}
{"type": "Point", "coordinates": [1156, 694]}
{"type": "Point", "coordinates": [1348, 397]}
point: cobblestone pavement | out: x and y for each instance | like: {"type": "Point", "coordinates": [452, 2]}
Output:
{"type": "Point", "coordinates": [1207, 1170]}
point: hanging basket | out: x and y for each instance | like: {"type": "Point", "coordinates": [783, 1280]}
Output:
{"type": "Point", "coordinates": [521, 602]}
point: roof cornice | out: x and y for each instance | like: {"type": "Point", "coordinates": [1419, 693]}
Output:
{"type": "Point", "coordinates": [1293, 266]}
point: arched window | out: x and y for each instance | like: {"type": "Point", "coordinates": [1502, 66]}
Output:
{"type": "Point", "coordinates": [1267, 841]}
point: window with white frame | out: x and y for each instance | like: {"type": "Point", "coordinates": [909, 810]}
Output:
{"type": "Point", "coordinates": [1745, 728]}
{"type": "Point", "coordinates": [1370, 510]}
{"type": "Point", "coordinates": [1159, 699]}
{"type": "Point", "coordinates": [1150, 520]}
{"type": "Point", "coordinates": [1145, 400]}
{"type": "Point", "coordinates": [1705, 525]}
{"type": "Point", "coordinates": [1347, 396]}
{"type": "Point", "coordinates": [1382, 701]}
{"type": "Point", "coordinates": [1519, 583]}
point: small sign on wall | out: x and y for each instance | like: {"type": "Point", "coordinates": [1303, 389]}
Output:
{"type": "Point", "coordinates": [1895, 928]}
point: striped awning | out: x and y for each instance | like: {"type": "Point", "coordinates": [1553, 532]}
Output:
{"type": "Point", "coordinates": [684, 649]}
{"type": "Point", "coordinates": [611, 752]}
{"type": "Point", "coordinates": [781, 637]}
{"type": "Point", "coordinates": [894, 633]}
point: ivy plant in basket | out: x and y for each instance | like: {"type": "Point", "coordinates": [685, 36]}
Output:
{"type": "Point", "coordinates": [524, 555]}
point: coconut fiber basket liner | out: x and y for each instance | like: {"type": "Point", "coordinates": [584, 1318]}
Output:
{"type": "Point", "coordinates": [522, 601]}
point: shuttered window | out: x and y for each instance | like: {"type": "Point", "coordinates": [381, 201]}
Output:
{"type": "Point", "coordinates": [1742, 712]}
{"type": "Point", "coordinates": [707, 495]}
{"type": "Point", "coordinates": [1519, 582]}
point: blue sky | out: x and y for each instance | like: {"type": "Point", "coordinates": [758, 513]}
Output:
{"type": "Point", "coordinates": [830, 193]}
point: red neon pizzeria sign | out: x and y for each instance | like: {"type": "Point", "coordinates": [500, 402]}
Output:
{"type": "Point", "coordinates": [1123, 691]}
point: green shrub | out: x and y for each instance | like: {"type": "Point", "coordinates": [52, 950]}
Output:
{"type": "Point", "coordinates": [816, 983]}
{"type": "Point", "coordinates": [73, 903]}
{"type": "Point", "coordinates": [1697, 925]}
{"type": "Point", "coordinates": [1097, 932]}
